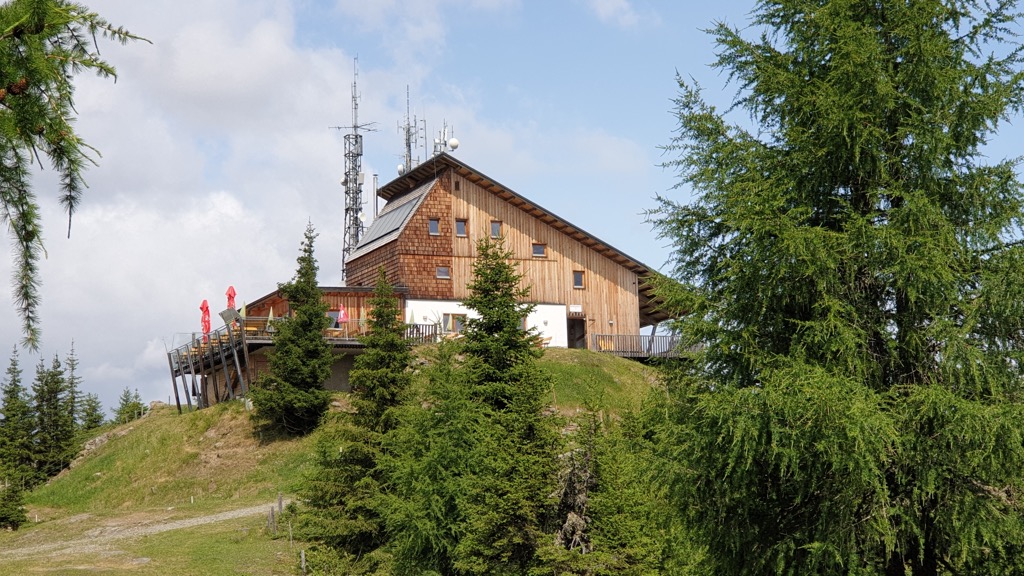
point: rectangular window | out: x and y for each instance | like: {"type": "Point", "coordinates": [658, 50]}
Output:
{"type": "Point", "coordinates": [454, 323]}
{"type": "Point", "coordinates": [460, 228]}
{"type": "Point", "coordinates": [577, 278]}
{"type": "Point", "coordinates": [443, 272]}
{"type": "Point", "coordinates": [540, 250]}
{"type": "Point", "coordinates": [434, 226]}
{"type": "Point", "coordinates": [495, 228]}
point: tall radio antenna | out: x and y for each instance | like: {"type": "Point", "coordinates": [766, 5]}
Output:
{"type": "Point", "coordinates": [353, 179]}
{"type": "Point", "coordinates": [410, 132]}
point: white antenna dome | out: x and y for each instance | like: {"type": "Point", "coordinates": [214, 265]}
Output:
{"type": "Point", "coordinates": [453, 143]}
{"type": "Point", "coordinates": [401, 169]}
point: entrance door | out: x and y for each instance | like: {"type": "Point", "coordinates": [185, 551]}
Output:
{"type": "Point", "coordinates": [577, 332]}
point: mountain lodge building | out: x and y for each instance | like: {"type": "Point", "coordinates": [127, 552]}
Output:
{"type": "Point", "coordinates": [587, 293]}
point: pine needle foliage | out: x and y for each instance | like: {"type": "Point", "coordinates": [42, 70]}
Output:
{"type": "Point", "coordinates": [16, 429]}
{"type": "Point", "coordinates": [342, 495]}
{"type": "Point", "coordinates": [854, 279]}
{"type": "Point", "coordinates": [472, 465]}
{"type": "Point", "coordinates": [90, 413]}
{"type": "Point", "coordinates": [291, 397]}
{"type": "Point", "coordinates": [44, 44]}
{"type": "Point", "coordinates": [12, 507]}
{"type": "Point", "coordinates": [53, 438]}
{"type": "Point", "coordinates": [129, 406]}
{"type": "Point", "coordinates": [380, 376]}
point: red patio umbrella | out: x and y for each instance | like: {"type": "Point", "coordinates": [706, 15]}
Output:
{"type": "Point", "coordinates": [231, 296]}
{"type": "Point", "coordinates": [205, 307]}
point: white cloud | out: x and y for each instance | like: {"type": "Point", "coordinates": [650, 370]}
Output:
{"type": "Point", "coordinates": [216, 151]}
{"type": "Point", "coordinates": [617, 12]}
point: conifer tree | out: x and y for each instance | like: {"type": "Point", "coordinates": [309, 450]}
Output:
{"type": "Point", "coordinates": [612, 523]}
{"type": "Point", "coordinates": [380, 376]}
{"type": "Point", "coordinates": [12, 507]}
{"type": "Point", "coordinates": [856, 286]}
{"type": "Point", "coordinates": [54, 438]}
{"type": "Point", "coordinates": [508, 503]}
{"type": "Point", "coordinates": [90, 415]}
{"type": "Point", "coordinates": [16, 428]}
{"type": "Point", "coordinates": [129, 407]}
{"type": "Point", "coordinates": [44, 44]}
{"type": "Point", "coordinates": [291, 397]}
{"type": "Point", "coordinates": [472, 473]}
{"type": "Point", "coordinates": [343, 493]}
{"type": "Point", "coordinates": [74, 385]}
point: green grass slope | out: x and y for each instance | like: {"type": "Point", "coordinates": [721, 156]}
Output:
{"type": "Point", "coordinates": [582, 379]}
{"type": "Point", "coordinates": [168, 467]}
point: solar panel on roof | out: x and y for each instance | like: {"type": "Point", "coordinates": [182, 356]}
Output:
{"type": "Point", "coordinates": [393, 217]}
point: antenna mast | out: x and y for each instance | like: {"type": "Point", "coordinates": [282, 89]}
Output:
{"type": "Point", "coordinates": [410, 131]}
{"type": "Point", "coordinates": [353, 179]}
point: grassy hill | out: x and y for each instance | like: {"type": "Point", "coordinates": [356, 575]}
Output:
{"type": "Point", "coordinates": [107, 514]}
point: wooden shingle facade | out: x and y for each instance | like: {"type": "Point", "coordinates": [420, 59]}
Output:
{"type": "Point", "coordinates": [586, 293]}
{"type": "Point", "coordinates": [426, 237]}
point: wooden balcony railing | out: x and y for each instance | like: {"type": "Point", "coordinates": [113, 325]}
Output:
{"type": "Point", "coordinates": [201, 353]}
{"type": "Point", "coordinates": [636, 345]}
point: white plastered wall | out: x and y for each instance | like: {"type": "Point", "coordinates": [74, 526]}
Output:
{"type": "Point", "coordinates": [547, 319]}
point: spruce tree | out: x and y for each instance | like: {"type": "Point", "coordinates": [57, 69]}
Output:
{"type": "Point", "coordinates": [54, 438]}
{"type": "Point", "coordinates": [129, 407]}
{"type": "Point", "coordinates": [472, 467]}
{"type": "Point", "coordinates": [856, 290]}
{"type": "Point", "coordinates": [291, 397]}
{"type": "Point", "coordinates": [16, 430]}
{"type": "Point", "coordinates": [12, 507]}
{"type": "Point", "coordinates": [612, 522]}
{"type": "Point", "coordinates": [380, 376]}
{"type": "Point", "coordinates": [90, 415]}
{"type": "Point", "coordinates": [342, 494]}
{"type": "Point", "coordinates": [508, 503]}
{"type": "Point", "coordinates": [44, 44]}
{"type": "Point", "coordinates": [73, 382]}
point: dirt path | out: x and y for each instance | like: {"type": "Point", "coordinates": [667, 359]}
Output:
{"type": "Point", "coordinates": [96, 539]}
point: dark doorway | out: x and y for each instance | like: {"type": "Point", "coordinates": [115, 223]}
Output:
{"type": "Point", "coordinates": [577, 333]}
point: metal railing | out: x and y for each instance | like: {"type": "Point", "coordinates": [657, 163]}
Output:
{"type": "Point", "coordinates": [636, 345]}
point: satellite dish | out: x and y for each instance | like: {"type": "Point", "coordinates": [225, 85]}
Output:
{"type": "Point", "coordinates": [401, 169]}
{"type": "Point", "coordinates": [362, 217]}
{"type": "Point", "coordinates": [453, 143]}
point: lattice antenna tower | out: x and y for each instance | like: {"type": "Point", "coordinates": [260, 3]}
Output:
{"type": "Point", "coordinates": [353, 179]}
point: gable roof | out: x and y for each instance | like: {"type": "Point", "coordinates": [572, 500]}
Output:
{"type": "Point", "coordinates": [428, 171]}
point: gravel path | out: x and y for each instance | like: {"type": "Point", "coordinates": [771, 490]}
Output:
{"type": "Point", "coordinates": [97, 538]}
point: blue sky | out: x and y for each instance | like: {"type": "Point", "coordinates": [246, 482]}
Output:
{"type": "Point", "coordinates": [217, 149]}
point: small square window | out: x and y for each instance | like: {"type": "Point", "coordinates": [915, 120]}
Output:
{"type": "Point", "coordinates": [577, 278]}
{"type": "Point", "coordinates": [434, 226]}
{"type": "Point", "coordinates": [443, 272]}
{"type": "Point", "coordinates": [460, 228]}
{"type": "Point", "coordinates": [454, 323]}
{"type": "Point", "coordinates": [540, 250]}
{"type": "Point", "coordinates": [495, 228]}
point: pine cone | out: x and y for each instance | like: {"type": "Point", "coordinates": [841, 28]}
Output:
{"type": "Point", "coordinates": [19, 86]}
